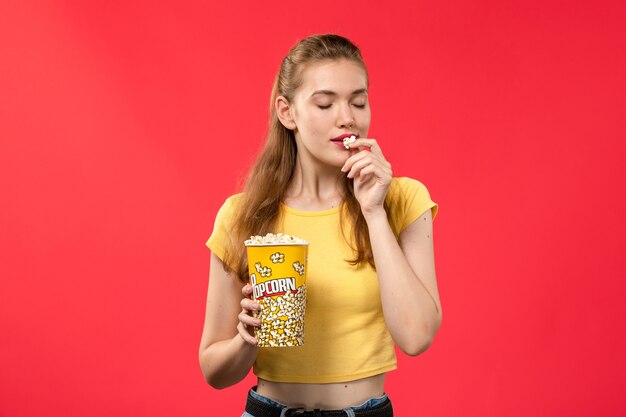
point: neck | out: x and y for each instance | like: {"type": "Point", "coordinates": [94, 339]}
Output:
{"type": "Point", "coordinates": [314, 186]}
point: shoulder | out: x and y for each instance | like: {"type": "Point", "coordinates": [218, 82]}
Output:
{"type": "Point", "coordinates": [403, 188]}
{"type": "Point", "coordinates": [233, 200]}
{"type": "Point", "coordinates": [230, 206]}
{"type": "Point", "coordinates": [408, 198]}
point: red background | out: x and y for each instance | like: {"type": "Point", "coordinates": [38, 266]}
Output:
{"type": "Point", "coordinates": [124, 126]}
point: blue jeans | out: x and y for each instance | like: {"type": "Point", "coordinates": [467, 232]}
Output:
{"type": "Point", "coordinates": [369, 403]}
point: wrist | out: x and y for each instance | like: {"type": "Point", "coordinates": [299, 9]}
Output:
{"type": "Point", "coordinates": [374, 214]}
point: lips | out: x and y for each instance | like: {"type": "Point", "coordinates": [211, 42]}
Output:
{"type": "Point", "coordinates": [345, 135]}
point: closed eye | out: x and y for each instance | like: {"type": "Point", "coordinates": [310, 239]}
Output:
{"type": "Point", "coordinates": [359, 106]}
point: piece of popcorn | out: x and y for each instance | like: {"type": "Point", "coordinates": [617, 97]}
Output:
{"type": "Point", "coordinates": [348, 141]}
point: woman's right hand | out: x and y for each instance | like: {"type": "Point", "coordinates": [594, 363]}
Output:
{"type": "Point", "coordinates": [247, 321]}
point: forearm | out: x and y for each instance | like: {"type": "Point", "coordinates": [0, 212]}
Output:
{"type": "Point", "coordinates": [410, 311]}
{"type": "Point", "coordinates": [227, 362]}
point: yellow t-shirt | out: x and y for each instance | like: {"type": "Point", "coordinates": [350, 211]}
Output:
{"type": "Point", "coordinates": [346, 337]}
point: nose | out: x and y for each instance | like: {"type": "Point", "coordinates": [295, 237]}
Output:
{"type": "Point", "coordinates": [345, 118]}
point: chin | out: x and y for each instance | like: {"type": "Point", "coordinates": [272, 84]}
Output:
{"type": "Point", "coordinates": [338, 162]}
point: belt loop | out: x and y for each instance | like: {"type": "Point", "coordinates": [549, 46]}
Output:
{"type": "Point", "coordinates": [349, 411]}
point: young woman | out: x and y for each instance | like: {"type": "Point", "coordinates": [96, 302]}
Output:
{"type": "Point", "coordinates": [371, 275]}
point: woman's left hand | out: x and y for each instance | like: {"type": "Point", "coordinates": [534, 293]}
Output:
{"type": "Point", "coordinates": [371, 173]}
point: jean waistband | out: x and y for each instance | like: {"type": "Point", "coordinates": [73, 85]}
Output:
{"type": "Point", "coordinates": [262, 409]}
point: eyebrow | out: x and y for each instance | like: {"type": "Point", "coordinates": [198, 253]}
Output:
{"type": "Point", "coordinates": [332, 93]}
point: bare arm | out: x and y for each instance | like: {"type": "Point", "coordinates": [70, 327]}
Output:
{"type": "Point", "coordinates": [406, 269]}
{"type": "Point", "coordinates": [227, 349]}
{"type": "Point", "coordinates": [408, 284]}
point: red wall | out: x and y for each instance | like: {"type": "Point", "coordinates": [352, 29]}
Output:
{"type": "Point", "coordinates": [124, 125]}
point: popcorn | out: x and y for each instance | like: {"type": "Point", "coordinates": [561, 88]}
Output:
{"type": "Point", "coordinates": [298, 267]}
{"type": "Point", "coordinates": [277, 257]}
{"type": "Point", "coordinates": [264, 271]}
{"type": "Point", "coordinates": [271, 238]}
{"type": "Point", "coordinates": [282, 319]}
{"type": "Point", "coordinates": [348, 141]}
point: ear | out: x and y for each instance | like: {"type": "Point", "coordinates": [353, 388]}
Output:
{"type": "Point", "coordinates": [284, 112]}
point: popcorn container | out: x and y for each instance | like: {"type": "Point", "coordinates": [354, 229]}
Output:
{"type": "Point", "coordinates": [277, 267]}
